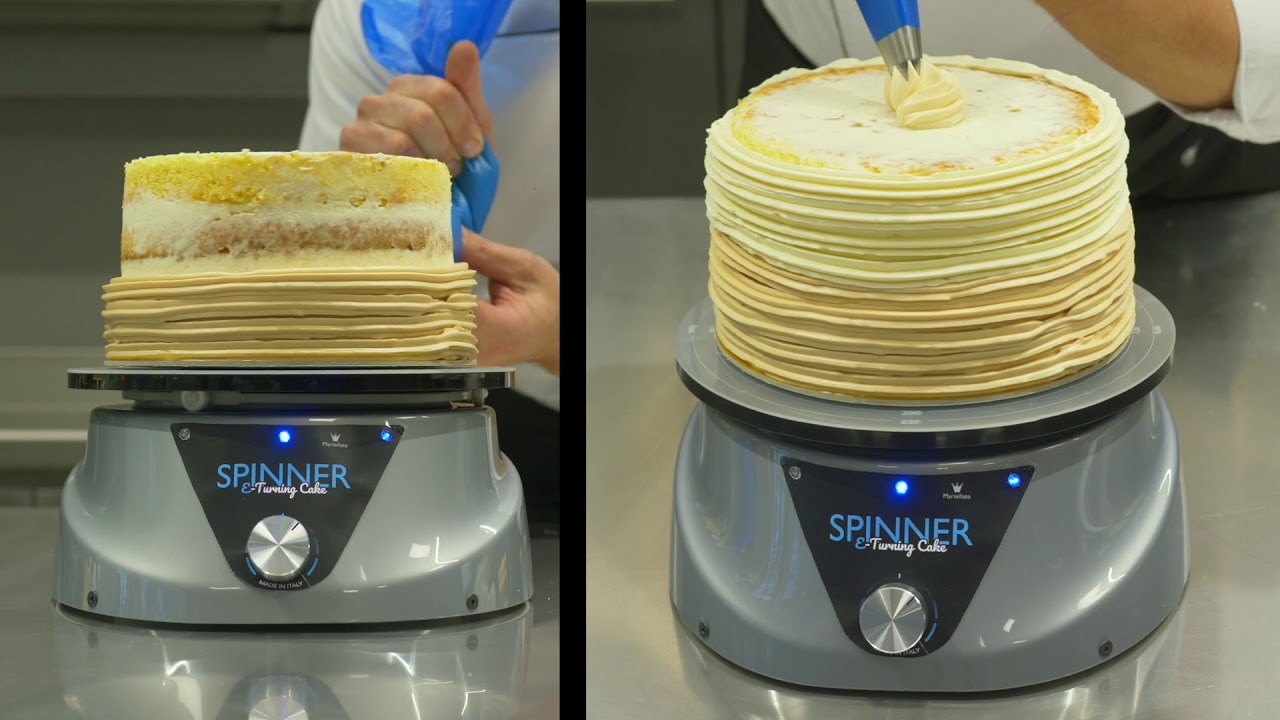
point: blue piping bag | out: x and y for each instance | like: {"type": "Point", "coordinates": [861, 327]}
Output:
{"type": "Point", "coordinates": [895, 26]}
{"type": "Point", "coordinates": [413, 37]}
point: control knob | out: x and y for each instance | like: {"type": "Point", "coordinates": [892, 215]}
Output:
{"type": "Point", "coordinates": [276, 707]}
{"type": "Point", "coordinates": [277, 548]}
{"type": "Point", "coordinates": [893, 618]}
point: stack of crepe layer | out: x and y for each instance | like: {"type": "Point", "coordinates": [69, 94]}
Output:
{"type": "Point", "coordinates": [952, 284]}
{"type": "Point", "coordinates": [941, 343]}
{"type": "Point", "coordinates": [364, 315]}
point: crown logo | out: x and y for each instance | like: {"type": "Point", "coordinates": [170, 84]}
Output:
{"type": "Point", "coordinates": [338, 436]}
{"type": "Point", "coordinates": [957, 487]}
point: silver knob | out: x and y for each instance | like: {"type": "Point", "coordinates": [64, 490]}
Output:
{"type": "Point", "coordinates": [892, 619]}
{"type": "Point", "coordinates": [278, 708]}
{"type": "Point", "coordinates": [278, 546]}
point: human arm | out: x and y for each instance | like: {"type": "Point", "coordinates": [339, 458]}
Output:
{"type": "Point", "coordinates": [521, 320]}
{"type": "Point", "coordinates": [1214, 62]}
{"type": "Point", "coordinates": [1185, 51]}
{"type": "Point", "coordinates": [356, 104]}
{"type": "Point", "coordinates": [446, 119]}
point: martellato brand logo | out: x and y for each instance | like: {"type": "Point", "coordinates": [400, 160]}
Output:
{"type": "Point", "coordinates": [284, 478]}
{"type": "Point", "coordinates": [957, 492]}
{"type": "Point", "coordinates": [906, 535]}
{"type": "Point", "coordinates": [334, 441]}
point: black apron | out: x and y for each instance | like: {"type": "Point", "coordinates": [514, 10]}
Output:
{"type": "Point", "coordinates": [1170, 159]}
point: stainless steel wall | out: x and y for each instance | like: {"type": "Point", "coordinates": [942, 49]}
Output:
{"type": "Point", "coordinates": [658, 73]}
{"type": "Point", "coordinates": [76, 103]}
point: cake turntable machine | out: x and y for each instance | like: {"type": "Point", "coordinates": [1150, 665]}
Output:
{"type": "Point", "coordinates": [293, 497]}
{"type": "Point", "coordinates": [944, 548]}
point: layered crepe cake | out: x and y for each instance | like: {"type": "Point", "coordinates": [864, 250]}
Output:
{"type": "Point", "coordinates": [288, 258]}
{"type": "Point", "coordinates": [960, 234]}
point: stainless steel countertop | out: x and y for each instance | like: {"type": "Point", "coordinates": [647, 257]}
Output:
{"type": "Point", "coordinates": [1216, 266]}
{"type": "Point", "coordinates": [56, 664]}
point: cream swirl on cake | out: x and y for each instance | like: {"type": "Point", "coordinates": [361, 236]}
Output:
{"type": "Point", "coordinates": [289, 258]}
{"type": "Point", "coordinates": [854, 256]}
{"type": "Point", "coordinates": [929, 98]}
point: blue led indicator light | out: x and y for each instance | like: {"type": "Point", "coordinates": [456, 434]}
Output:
{"type": "Point", "coordinates": [1015, 479]}
{"type": "Point", "coordinates": [284, 436]}
{"type": "Point", "coordinates": [900, 487]}
{"type": "Point", "coordinates": [387, 436]}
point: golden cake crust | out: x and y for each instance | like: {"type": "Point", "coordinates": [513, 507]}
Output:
{"type": "Point", "coordinates": [249, 178]}
{"type": "Point", "coordinates": [842, 103]}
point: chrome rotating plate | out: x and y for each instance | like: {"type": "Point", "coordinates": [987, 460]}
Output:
{"type": "Point", "coordinates": [720, 384]}
{"type": "Point", "coordinates": [310, 381]}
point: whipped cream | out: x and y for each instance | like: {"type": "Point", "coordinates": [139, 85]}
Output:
{"type": "Point", "coordinates": [927, 99]}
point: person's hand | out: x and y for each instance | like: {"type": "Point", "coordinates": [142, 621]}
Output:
{"type": "Point", "coordinates": [445, 119]}
{"type": "Point", "coordinates": [521, 320]}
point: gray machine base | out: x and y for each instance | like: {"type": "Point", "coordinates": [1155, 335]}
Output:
{"type": "Point", "coordinates": [459, 670]}
{"type": "Point", "coordinates": [1095, 558]}
{"type": "Point", "coordinates": [446, 524]}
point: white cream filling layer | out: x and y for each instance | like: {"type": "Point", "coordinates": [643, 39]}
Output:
{"type": "Point", "coordinates": [177, 226]}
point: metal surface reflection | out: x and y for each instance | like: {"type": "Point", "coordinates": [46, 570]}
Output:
{"type": "Point", "coordinates": [453, 670]}
{"type": "Point", "coordinates": [1109, 695]}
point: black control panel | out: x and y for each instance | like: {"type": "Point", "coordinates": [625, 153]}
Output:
{"type": "Point", "coordinates": [320, 475]}
{"type": "Point", "coordinates": [935, 533]}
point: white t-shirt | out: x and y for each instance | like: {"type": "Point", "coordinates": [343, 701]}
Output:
{"type": "Point", "coordinates": [1021, 30]}
{"type": "Point", "coordinates": [521, 73]}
